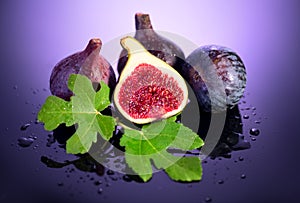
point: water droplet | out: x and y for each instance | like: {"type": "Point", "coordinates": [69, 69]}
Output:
{"type": "Point", "coordinates": [208, 199]}
{"type": "Point", "coordinates": [257, 122]}
{"type": "Point", "coordinates": [241, 158]}
{"type": "Point", "coordinates": [254, 131]}
{"type": "Point", "coordinates": [98, 182]}
{"type": "Point", "coordinates": [220, 181]}
{"type": "Point", "coordinates": [246, 116]}
{"type": "Point", "coordinates": [25, 142]}
{"type": "Point", "coordinates": [110, 172]}
{"type": "Point", "coordinates": [50, 140]}
{"type": "Point", "coordinates": [127, 178]}
{"type": "Point", "coordinates": [114, 178]}
{"type": "Point", "coordinates": [253, 108]}
{"type": "Point", "coordinates": [117, 165]}
{"type": "Point", "coordinates": [253, 138]}
{"type": "Point", "coordinates": [15, 87]}
{"type": "Point", "coordinates": [60, 184]}
{"type": "Point", "coordinates": [25, 126]}
{"type": "Point", "coordinates": [243, 176]}
{"type": "Point", "coordinates": [100, 190]}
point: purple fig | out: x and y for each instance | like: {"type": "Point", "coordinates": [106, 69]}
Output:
{"type": "Point", "coordinates": [88, 62]}
{"type": "Point", "coordinates": [217, 75]}
{"type": "Point", "coordinates": [156, 44]}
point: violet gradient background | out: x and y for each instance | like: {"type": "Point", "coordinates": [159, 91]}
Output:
{"type": "Point", "coordinates": [35, 35]}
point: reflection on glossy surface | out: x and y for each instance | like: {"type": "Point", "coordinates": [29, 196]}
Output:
{"type": "Point", "coordinates": [231, 140]}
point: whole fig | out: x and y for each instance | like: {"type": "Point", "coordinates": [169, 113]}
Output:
{"type": "Point", "coordinates": [217, 75]}
{"type": "Point", "coordinates": [88, 62]}
{"type": "Point", "coordinates": [156, 44]}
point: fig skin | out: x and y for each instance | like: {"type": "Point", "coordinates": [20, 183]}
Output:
{"type": "Point", "coordinates": [156, 44]}
{"type": "Point", "coordinates": [88, 62]}
{"type": "Point", "coordinates": [217, 75]}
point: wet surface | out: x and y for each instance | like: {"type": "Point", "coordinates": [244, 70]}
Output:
{"type": "Point", "coordinates": [254, 161]}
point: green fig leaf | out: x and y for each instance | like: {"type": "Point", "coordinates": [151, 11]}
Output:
{"type": "Point", "coordinates": [83, 109]}
{"type": "Point", "coordinates": [151, 143]}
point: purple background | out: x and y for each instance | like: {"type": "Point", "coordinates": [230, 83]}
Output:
{"type": "Point", "coordinates": [35, 35]}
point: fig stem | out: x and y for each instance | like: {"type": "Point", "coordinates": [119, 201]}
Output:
{"type": "Point", "coordinates": [142, 21]}
{"type": "Point", "coordinates": [94, 45]}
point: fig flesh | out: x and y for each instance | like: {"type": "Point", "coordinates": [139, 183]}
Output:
{"type": "Point", "coordinates": [88, 62]}
{"type": "Point", "coordinates": [217, 75]}
{"type": "Point", "coordinates": [156, 44]}
{"type": "Point", "coordinates": [148, 88]}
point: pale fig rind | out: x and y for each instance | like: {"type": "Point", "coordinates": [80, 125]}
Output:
{"type": "Point", "coordinates": [137, 57]}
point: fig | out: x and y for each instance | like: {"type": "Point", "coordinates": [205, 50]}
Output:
{"type": "Point", "coordinates": [217, 75]}
{"type": "Point", "coordinates": [156, 44]}
{"type": "Point", "coordinates": [148, 88]}
{"type": "Point", "coordinates": [88, 62]}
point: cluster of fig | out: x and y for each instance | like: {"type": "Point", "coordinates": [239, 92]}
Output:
{"type": "Point", "coordinates": [153, 75]}
{"type": "Point", "coordinates": [215, 73]}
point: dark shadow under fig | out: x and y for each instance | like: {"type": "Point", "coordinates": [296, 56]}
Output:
{"type": "Point", "coordinates": [84, 163]}
{"type": "Point", "coordinates": [230, 140]}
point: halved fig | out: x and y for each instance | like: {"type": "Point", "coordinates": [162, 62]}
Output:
{"type": "Point", "coordinates": [148, 88]}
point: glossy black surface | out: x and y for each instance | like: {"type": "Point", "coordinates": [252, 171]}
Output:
{"type": "Point", "coordinates": [35, 36]}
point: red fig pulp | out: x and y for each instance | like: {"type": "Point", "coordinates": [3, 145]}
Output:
{"type": "Point", "coordinates": [88, 62]}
